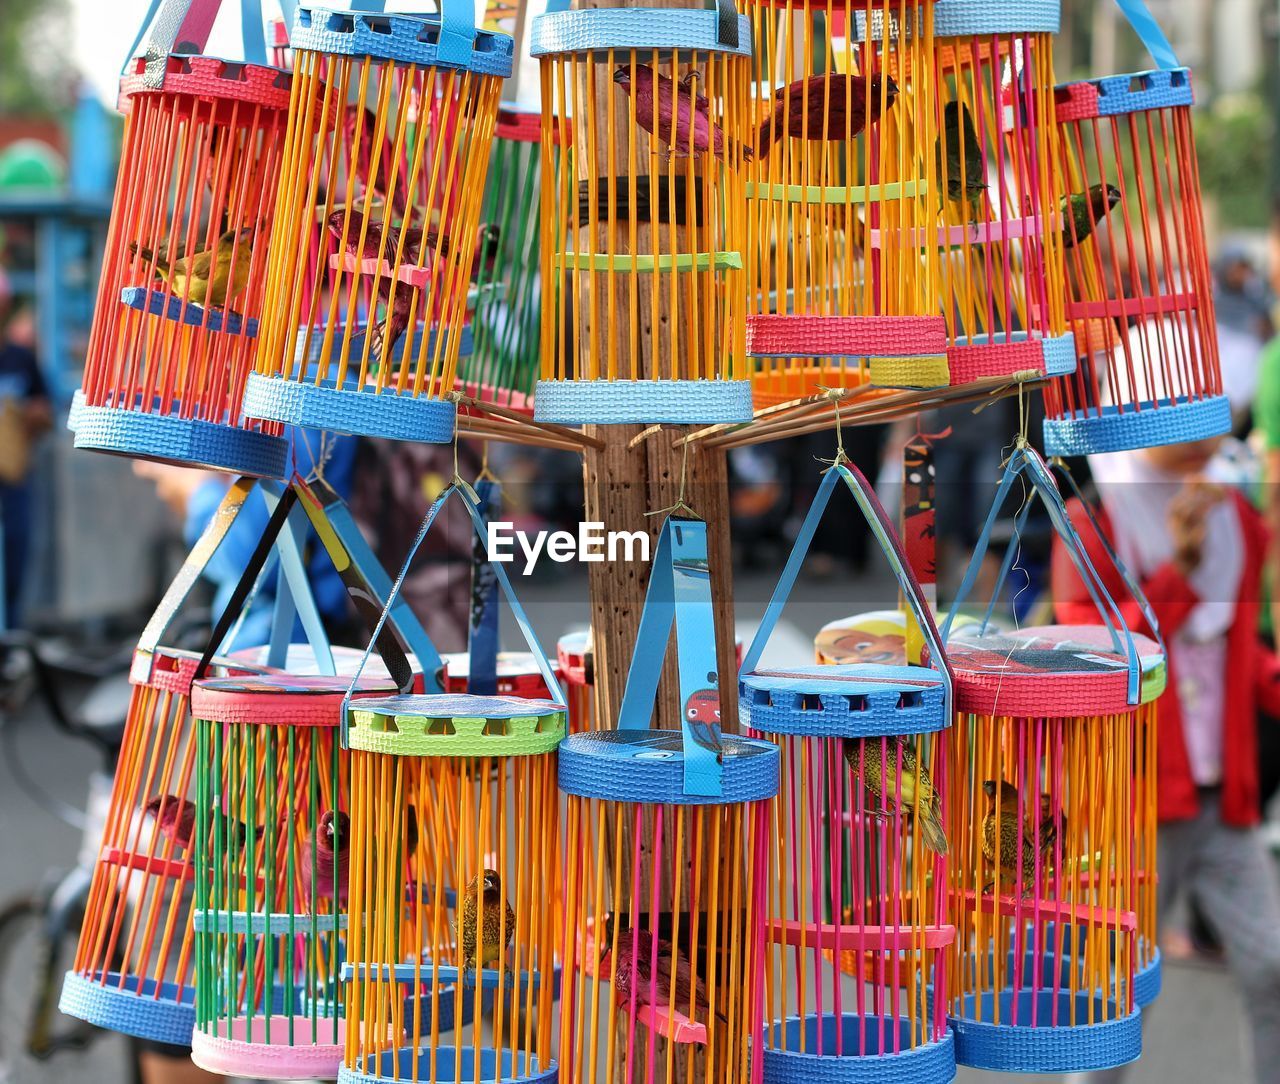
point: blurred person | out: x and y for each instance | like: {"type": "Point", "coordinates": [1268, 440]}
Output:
{"type": "Point", "coordinates": [25, 415]}
{"type": "Point", "coordinates": [1197, 548]}
{"type": "Point", "coordinates": [1242, 308]}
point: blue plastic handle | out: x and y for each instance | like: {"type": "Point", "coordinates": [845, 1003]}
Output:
{"type": "Point", "coordinates": [164, 20]}
{"type": "Point", "coordinates": [679, 593]}
{"type": "Point", "coordinates": [294, 588]}
{"type": "Point", "coordinates": [1148, 30]}
{"type": "Point", "coordinates": [890, 545]}
{"type": "Point", "coordinates": [483, 631]}
{"type": "Point", "coordinates": [457, 31]}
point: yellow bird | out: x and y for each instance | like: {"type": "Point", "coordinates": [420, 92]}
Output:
{"type": "Point", "coordinates": [206, 278]}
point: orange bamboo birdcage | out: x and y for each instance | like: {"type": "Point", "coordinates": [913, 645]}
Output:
{"type": "Point", "coordinates": [665, 849]}
{"type": "Point", "coordinates": [642, 215]}
{"type": "Point", "coordinates": [841, 131]}
{"type": "Point", "coordinates": [180, 299]}
{"type": "Point", "coordinates": [1047, 811]}
{"type": "Point", "coordinates": [451, 976]}
{"type": "Point", "coordinates": [858, 856]}
{"type": "Point", "coordinates": [1139, 288]}
{"type": "Point", "coordinates": [370, 277]}
{"type": "Point", "coordinates": [999, 218]}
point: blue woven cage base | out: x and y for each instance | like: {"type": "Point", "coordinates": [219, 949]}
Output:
{"type": "Point", "coordinates": [452, 1066]}
{"type": "Point", "coordinates": [134, 1006]}
{"type": "Point", "coordinates": [643, 402]}
{"type": "Point", "coordinates": [868, 1056]}
{"type": "Point", "coordinates": [1043, 1047]}
{"type": "Point", "coordinates": [182, 441]}
{"type": "Point", "coordinates": [1171, 422]}
{"type": "Point", "coordinates": [647, 766]}
{"type": "Point", "coordinates": [345, 410]}
{"type": "Point", "coordinates": [1148, 981]}
{"type": "Point", "coordinates": [864, 700]}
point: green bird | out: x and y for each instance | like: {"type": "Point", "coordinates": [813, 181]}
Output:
{"type": "Point", "coordinates": [1082, 211]}
{"type": "Point", "coordinates": [917, 797]}
{"type": "Point", "coordinates": [967, 184]}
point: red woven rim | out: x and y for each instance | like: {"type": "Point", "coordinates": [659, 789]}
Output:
{"type": "Point", "coordinates": [787, 335]}
{"type": "Point", "coordinates": [1076, 101]}
{"type": "Point", "coordinates": [283, 700]}
{"type": "Point", "coordinates": [518, 126]}
{"type": "Point", "coordinates": [211, 77]}
{"type": "Point", "coordinates": [969, 363]}
{"type": "Point", "coordinates": [521, 681]}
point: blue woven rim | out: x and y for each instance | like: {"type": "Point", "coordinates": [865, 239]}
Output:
{"type": "Point", "coordinates": [1059, 354]}
{"type": "Point", "coordinates": [831, 701]}
{"type": "Point", "coordinates": [183, 441]}
{"type": "Point", "coordinates": [647, 766]}
{"type": "Point", "coordinates": [359, 413]}
{"type": "Point", "coordinates": [132, 1009]}
{"type": "Point", "coordinates": [1044, 1048]}
{"type": "Point", "coordinates": [962, 18]}
{"type": "Point", "coordinates": [73, 411]}
{"type": "Point", "coordinates": [643, 402]}
{"type": "Point", "coordinates": [453, 1066]}
{"type": "Point", "coordinates": [930, 1063]}
{"type": "Point", "coordinates": [405, 39]}
{"type": "Point", "coordinates": [1148, 982]}
{"type": "Point", "coordinates": [560, 32]}
{"type": "Point", "coordinates": [1140, 92]}
{"type": "Point", "coordinates": [1176, 422]}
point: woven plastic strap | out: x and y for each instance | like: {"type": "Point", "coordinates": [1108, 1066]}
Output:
{"type": "Point", "coordinates": [1148, 30]}
{"type": "Point", "coordinates": [183, 26]}
{"type": "Point", "coordinates": [726, 20]}
{"type": "Point", "coordinates": [679, 593]}
{"type": "Point", "coordinates": [890, 545]}
{"type": "Point", "coordinates": [469, 501]}
{"type": "Point", "coordinates": [1026, 463]}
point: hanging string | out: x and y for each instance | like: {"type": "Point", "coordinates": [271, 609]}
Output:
{"type": "Point", "coordinates": [834, 396]}
{"type": "Point", "coordinates": [681, 506]}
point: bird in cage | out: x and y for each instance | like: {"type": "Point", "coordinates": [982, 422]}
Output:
{"type": "Point", "coordinates": [359, 127]}
{"type": "Point", "coordinates": [614, 196]}
{"type": "Point", "coordinates": [207, 278]}
{"type": "Point", "coordinates": [825, 107]}
{"type": "Point", "coordinates": [684, 122]}
{"type": "Point", "coordinates": [1083, 211]}
{"type": "Point", "coordinates": [635, 958]}
{"type": "Point", "coordinates": [494, 929]}
{"type": "Point", "coordinates": [959, 138]}
{"type": "Point", "coordinates": [325, 856]}
{"type": "Point", "coordinates": [175, 818]}
{"type": "Point", "coordinates": [1000, 835]}
{"type": "Point", "coordinates": [880, 776]}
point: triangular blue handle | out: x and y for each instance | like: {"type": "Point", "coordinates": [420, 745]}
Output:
{"type": "Point", "coordinates": [482, 638]}
{"type": "Point", "coordinates": [253, 35]}
{"type": "Point", "coordinates": [467, 497]}
{"type": "Point", "coordinates": [457, 31]}
{"type": "Point", "coordinates": [1148, 30]}
{"type": "Point", "coordinates": [294, 585]}
{"type": "Point", "coordinates": [163, 25]}
{"type": "Point", "coordinates": [679, 593]}
{"type": "Point", "coordinates": [890, 545]}
{"type": "Point", "coordinates": [1025, 462]}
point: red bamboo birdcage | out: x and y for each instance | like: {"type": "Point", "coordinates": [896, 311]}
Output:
{"type": "Point", "coordinates": [858, 860]}
{"type": "Point", "coordinates": [841, 131]}
{"type": "Point", "coordinates": [999, 219]}
{"type": "Point", "coordinates": [180, 298]}
{"type": "Point", "coordinates": [378, 230]}
{"type": "Point", "coordinates": [575, 659]}
{"type": "Point", "coordinates": [1043, 814]}
{"type": "Point", "coordinates": [642, 224]}
{"type": "Point", "coordinates": [665, 851]}
{"type": "Point", "coordinates": [1139, 289]}
{"type": "Point", "coordinates": [455, 835]}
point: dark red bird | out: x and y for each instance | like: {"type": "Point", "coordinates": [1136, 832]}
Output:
{"type": "Point", "coordinates": [683, 115]}
{"type": "Point", "coordinates": [175, 818]}
{"type": "Point", "coordinates": [325, 855]}
{"type": "Point", "coordinates": [635, 959]}
{"type": "Point", "coordinates": [809, 113]}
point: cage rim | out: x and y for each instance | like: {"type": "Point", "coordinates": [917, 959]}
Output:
{"type": "Point", "coordinates": [531, 727]}
{"type": "Point", "coordinates": [639, 29]}
{"type": "Point", "coordinates": [213, 78]}
{"type": "Point", "coordinates": [930, 1062]}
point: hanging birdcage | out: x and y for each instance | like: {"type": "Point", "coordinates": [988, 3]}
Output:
{"type": "Point", "coordinates": [378, 233]}
{"type": "Point", "coordinates": [455, 829]}
{"type": "Point", "coordinates": [997, 206]}
{"type": "Point", "coordinates": [642, 223]}
{"type": "Point", "coordinates": [1139, 288]}
{"type": "Point", "coordinates": [575, 659]}
{"type": "Point", "coordinates": [1042, 811]}
{"type": "Point", "coordinates": [666, 833]}
{"type": "Point", "coordinates": [840, 130]}
{"type": "Point", "coordinates": [857, 865]}
{"type": "Point", "coordinates": [180, 298]}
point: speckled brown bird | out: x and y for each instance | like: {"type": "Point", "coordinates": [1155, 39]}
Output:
{"type": "Point", "coordinates": [817, 108]}
{"type": "Point", "coordinates": [497, 921]}
{"type": "Point", "coordinates": [1000, 834]}
{"type": "Point", "coordinates": [864, 759]}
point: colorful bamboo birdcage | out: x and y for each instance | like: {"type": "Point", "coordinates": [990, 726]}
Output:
{"type": "Point", "coordinates": [1043, 817]}
{"type": "Point", "coordinates": [455, 830]}
{"type": "Point", "coordinates": [997, 205]}
{"type": "Point", "coordinates": [856, 881]}
{"type": "Point", "coordinates": [642, 215]}
{"type": "Point", "coordinates": [576, 661]}
{"type": "Point", "coordinates": [378, 228]}
{"type": "Point", "coordinates": [666, 836]}
{"type": "Point", "coordinates": [840, 132]}
{"type": "Point", "coordinates": [1139, 289]}
{"type": "Point", "coordinates": [181, 293]}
